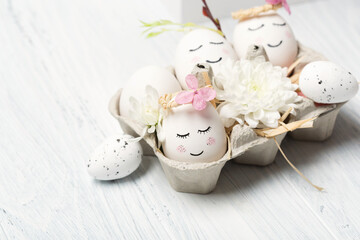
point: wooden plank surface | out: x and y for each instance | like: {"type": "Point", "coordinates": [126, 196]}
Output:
{"type": "Point", "coordinates": [60, 62]}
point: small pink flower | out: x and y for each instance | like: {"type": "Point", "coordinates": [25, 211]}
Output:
{"type": "Point", "coordinates": [198, 97]}
{"type": "Point", "coordinates": [283, 3]}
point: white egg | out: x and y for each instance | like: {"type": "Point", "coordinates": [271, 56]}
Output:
{"type": "Point", "coordinates": [189, 135]}
{"type": "Point", "coordinates": [200, 46]}
{"type": "Point", "coordinates": [115, 158]}
{"type": "Point", "coordinates": [327, 82]}
{"type": "Point", "coordinates": [159, 78]}
{"type": "Point", "coordinates": [272, 32]}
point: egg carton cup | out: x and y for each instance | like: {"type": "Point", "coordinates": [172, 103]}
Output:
{"type": "Point", "coordinates": [326, 114]}
{"type": "Point", "coordinates": [323, 125]}
{"type": "Point", "coordinates": [183, 176]}
{"type": "Point", "coordinates": [249, 148]}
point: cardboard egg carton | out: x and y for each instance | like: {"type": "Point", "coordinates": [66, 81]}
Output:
{"type": "Point", "coordinates": [244, 145]}
{"type": "Point", "coordinates": [182, 176]}
{"type": "Point", "coordinates": [323, 126]}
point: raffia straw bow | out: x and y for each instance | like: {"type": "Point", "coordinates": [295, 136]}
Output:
{"type": "Point", "coordinates": [167, 101]}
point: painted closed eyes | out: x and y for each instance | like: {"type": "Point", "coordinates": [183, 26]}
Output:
{"type": "Point", "coordinates": [204, 131]}
{"type": "Point", "coordinates": [276, 45]}
{"type": "Point", "coordinates": [257, 28]}
{"type": "Point", "coordinates": [215, 61]}
{"type": "Point", "coordinates": [262, 25]}
{"type": "Point", "coordinates": [280, 24]}
{"type": "Point", "coordinates": [216, 43]}
{"type": "Point", "coordinates": [183, 136]}
{"type": "Point", "coordinates": [193, 50]}
{"type": "Point", "coordinates": [200, 131]}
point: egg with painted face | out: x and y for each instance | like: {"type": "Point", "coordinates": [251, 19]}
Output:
{"type": "Point", "coordinates": [201, 46]}
{"type": "Point", "coordinates": [189, 135]}
{"type": "Point", "coordinates": [159, 78]}
{"type": "Point", "coordinates": [327, 82]}
{"type": "Point", "coordinates": [272, 32]}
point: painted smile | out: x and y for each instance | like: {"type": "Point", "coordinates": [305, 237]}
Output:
{"type": "Point", "coordinates": [274, 46]}
{"type": "Point", "coordinates": [208, 61]}
{"type": "Point", "coordinates": [198, 154]}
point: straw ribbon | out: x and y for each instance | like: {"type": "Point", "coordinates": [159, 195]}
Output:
{"type": "Point", "coordinates": [243, 14]}
{"type": "Point", "coordinates": [297, 170]}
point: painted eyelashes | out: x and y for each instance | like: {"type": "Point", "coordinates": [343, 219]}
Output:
{"type": "Point", "coordinates": [184, 136]}
{"type": "Point", "coordinates": [204, 131]}
{"type": "Point", "coordinates": [200, 131]}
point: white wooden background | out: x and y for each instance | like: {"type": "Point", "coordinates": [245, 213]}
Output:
{"type": "Point", "coordinates": [60, 62]}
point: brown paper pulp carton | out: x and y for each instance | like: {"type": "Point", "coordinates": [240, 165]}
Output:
{"type": "Point", "coordinates": [244, 145]}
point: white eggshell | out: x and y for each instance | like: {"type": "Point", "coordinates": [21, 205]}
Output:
{"type": "Point", "coordinates": [200, 46]}
{"type": "Point", "coordinates": [327, 82]}
{"type": "Point", "coordinates": [189, 135]}
{"type": "Point", "coordinates": [159, 78]}
{"type": "Point", "coordinates": [273, 33]}
{"type": "Point", "coordinates": [115, 158]}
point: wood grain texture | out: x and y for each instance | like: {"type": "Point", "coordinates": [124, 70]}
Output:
{"type": "Point", "coordinates": [60, 62]}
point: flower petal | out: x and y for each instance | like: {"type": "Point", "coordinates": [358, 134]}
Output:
{"type": "Point", "coordinates": [251, 121]}
{"type": "Point", "coordinates": [254, 91]}
{"type": "Point", "coordinates": [286, 6]}
{"type": "Point", "coordinates": [191, 81]}
{"type": "Point", "coordinates": [135, 109]}
{"type": "Point", "coordinates": [273, 2]}
{"type": "Point", "coordinates": [240, 121]}
{"type": "Point", "coordinates": [184, 97]}
{"type": "Point", "coordinates": [227, 110]}
{"type": "Point", "coordinates": [207, 93]}
{"type": "Point", "coordinates": [199, 103]}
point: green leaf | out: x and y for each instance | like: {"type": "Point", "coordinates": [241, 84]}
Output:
{"type": "Point", "coordinates": [145, 24]}
{"type": "Point", "coordinates": [189, 24]}
{"type": "Point", "coordinates": [177, 27]}
{"type": "Point", "coordinates": [166, 22]}
{"type": "Point", "coordinates": [153, 34]}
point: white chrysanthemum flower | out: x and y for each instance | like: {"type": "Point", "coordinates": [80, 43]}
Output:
{"type": "Point", "coordinates": [253, 91]}
{"type": "Point", "coordinates": [147, 112]}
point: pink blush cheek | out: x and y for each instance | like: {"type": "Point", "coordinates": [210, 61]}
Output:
{"type": "Point", "coordinates": [195, 59]}
{"type": "Point", "coordinates": [225, 51]}
{"type": "Point", "coordinates": [288, 34]}
{"type": "Point", "coordinates": [210, 141]}
{"type": "Point", "coordinates": [181, 149]}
